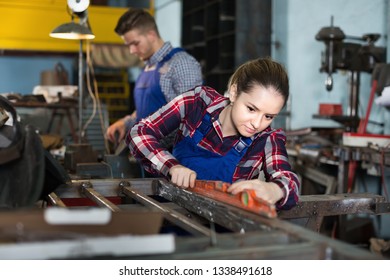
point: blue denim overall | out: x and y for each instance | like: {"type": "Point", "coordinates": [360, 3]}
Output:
{"type": "Point", "coordinates": [148, 96]}
{"type": "Point", "coordinates": [209, 165]}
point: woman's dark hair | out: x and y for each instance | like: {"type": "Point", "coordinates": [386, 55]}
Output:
{"type": "Point", "coordinates": [136, 19]}
{"type": "Point", "coordinates": [264, 72]}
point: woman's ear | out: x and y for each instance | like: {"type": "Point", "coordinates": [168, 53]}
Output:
{"type": "Point", "coordinates": [233, 93]}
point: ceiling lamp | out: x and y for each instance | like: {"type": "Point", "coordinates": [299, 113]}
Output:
{"type": "Point", "coordinates": [73, 30]}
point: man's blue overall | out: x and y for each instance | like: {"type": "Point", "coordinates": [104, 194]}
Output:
{"type": "Point", "coordinates": [148, 96]}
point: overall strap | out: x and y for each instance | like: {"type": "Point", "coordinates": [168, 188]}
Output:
{"type": "Point", "coordinates": [202, 130]}
{"type": "Point", "coordinates": [243, 144]}
{"type": "Point", "coordinates": [171, 54]}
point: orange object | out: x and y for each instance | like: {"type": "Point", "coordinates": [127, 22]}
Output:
{"type": "Point", "coordinates": [246, 200]}
{"type": "Point", "coordinates": [328, 109]}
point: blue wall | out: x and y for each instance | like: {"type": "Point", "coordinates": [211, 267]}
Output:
{"type": "Point", "coordinates": [168, 18]}
{"type": "Point", "coordinates": [22, 74]}
{"type": "Point", "coordinates": [296, 22]}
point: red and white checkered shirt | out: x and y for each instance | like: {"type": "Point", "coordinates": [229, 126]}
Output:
{"type": "Point", "coordinates": [266, 155]}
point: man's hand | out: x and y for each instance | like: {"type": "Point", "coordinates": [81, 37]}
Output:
{"type": "Point", "coordinates": [117, 127]}
{"type": "Point", "coordinates": [117, 131]}
{"type": "Point", "coordinates": [182, 176]}
{"type": "Point", "coordinates": [267, 191]}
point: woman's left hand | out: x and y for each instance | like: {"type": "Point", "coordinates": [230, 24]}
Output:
{"type": "Point", "coordinates": [267, 191]}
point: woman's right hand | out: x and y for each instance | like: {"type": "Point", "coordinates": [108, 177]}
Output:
{"type": "Point", "coordinates": [182, 176]}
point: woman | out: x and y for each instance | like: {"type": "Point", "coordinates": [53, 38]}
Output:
{"type": "Point", "coordinates": [224, 138]}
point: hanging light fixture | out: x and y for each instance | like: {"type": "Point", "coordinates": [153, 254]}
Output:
{"type": "Point", "coordinates": [73, 30]}
{"type": "Point", "coordinates": [77, 31]}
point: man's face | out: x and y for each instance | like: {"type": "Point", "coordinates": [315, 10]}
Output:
{"type": "Point", "coordinates": [140, 44]}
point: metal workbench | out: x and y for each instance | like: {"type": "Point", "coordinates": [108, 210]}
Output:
{"type": "Point", "coordinates": [197, 227]}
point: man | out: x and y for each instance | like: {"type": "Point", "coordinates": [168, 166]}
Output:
{"type": "Point", "coordinates": [168, 71]}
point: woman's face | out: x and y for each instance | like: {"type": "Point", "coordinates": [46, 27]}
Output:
{"type": "Point", "coordinates": [253, 111]}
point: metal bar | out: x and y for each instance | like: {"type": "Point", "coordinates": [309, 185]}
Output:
{"type": "Point", "coordinates": [107, 187]}
{"type": "Point", "coordinates": [382, 207]}
{"type": "Point", "coordinates": [170, 214]}
{"type": "Point", "coordinates": [89, 192]}
{"type": "Point", "coordinates": [55, 200]}
{"type": "Point", "coordinates": [334, 205]}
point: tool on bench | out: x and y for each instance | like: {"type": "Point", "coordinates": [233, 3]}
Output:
{"type": "Point", "coordinates": [245, 200]}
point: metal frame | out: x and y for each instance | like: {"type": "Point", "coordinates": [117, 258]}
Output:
{"type": "Point", "coordinates": [216, 230]}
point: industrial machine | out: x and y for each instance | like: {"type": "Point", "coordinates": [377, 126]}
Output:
{"type": "Point", "coordinates": [353, 54]}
